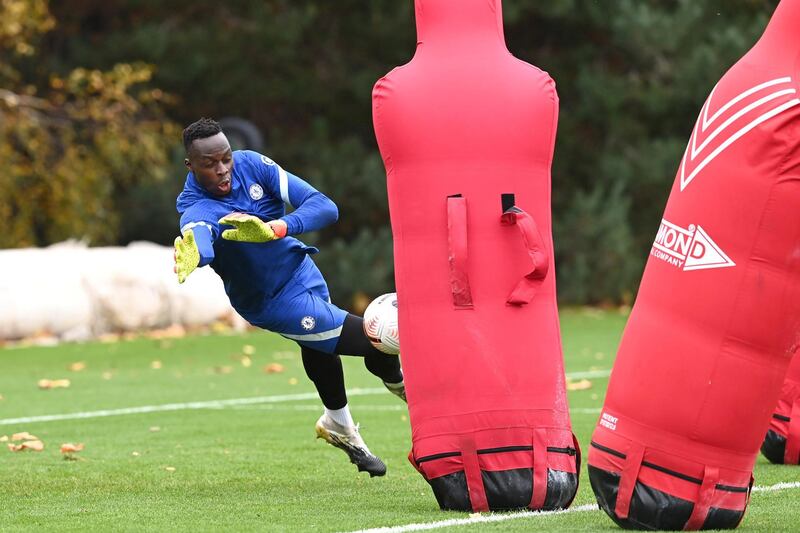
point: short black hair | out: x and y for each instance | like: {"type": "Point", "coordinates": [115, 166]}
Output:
{"type": "Point", "coordinates": [201, 129]}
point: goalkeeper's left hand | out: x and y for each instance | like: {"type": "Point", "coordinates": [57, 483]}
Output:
{"type": "Point", "coordinates": [248, 228]}
{"type": "Point", "coordinates": [187, 256]}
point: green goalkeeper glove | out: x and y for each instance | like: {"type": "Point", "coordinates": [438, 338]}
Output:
{"type": "Point", "coordinates": [248, 228]}
{"type": "Point", "coordinates": [187, 256]}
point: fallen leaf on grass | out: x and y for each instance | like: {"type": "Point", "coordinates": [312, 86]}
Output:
{"type": "Point", "coordinates": [53, 384]}
{"type": "Point", "coordinates": [108, 338]}
{"type": "Point", "coordinates": [292, 381]}
{"type": "Point", "coordinates": [223, 369]}
{"type": "Point", "coordinates": [42, 338]}
{"type": "Point", "coordinates": [155, 365]}
{"type": "Point", "coordinates": [245, 360]}
{"type": "Point", "coordinates": [273, 368]}
{"type": "Point", "coordinates": [248, 349]}
{"type": "Point", "coordinates": [23, 436]}
{"type": "Point", "coordinates": [169, 468]}
{"type": "Point", "coordinates": [155, 429]}
{"type": "Point", "coordinates": [4, 438]}
{"type": "Point", "coordinates": [32, 445]}
{"type": "Point", "coordinates": [107, 375]}
{"type": "Point", "coordinates": [175, 331]}
{"type": "Point", "coordinates": [71, 448]}
{"type": "Point", "coordinates": [579, 385]}
{"type": "Point", "coordinates": [135, 454]}
{"type": "Point", "coordinates": [77, 366]}
{"type": "Point", "coordinates": [2, 397]}
{"type": "Point", "coordinates": [220, 327]}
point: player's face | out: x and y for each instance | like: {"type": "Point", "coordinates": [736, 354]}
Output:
{"type": "Point", "coordinates": [211, 161]}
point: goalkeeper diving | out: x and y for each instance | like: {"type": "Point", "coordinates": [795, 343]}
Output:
{"type": "Point", "coordinates": [233, 218]}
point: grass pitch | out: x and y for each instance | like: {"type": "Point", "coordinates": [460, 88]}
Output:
{"type": "Point", "coordinates": [254, 465]}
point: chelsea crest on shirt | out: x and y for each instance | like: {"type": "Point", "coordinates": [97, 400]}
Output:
{"type": "Point", "coordinates": [256, 191]}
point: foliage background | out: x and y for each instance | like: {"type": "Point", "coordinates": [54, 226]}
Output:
{"type": "Point", "coordinates": [93, 95]}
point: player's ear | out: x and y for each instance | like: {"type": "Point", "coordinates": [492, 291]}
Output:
{"type": "Point", "coordinates": [187, 163]}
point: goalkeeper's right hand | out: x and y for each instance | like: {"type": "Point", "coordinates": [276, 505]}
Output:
{"type": "Point", "coordinates": [187, 256]}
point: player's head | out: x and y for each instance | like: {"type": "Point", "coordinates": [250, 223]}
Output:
{"type": "Point", "coordinates": [209, 156]}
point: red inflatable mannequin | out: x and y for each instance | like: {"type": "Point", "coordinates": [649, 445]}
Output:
{"type": "Point", "coordinates": [466, 131]}
{"type": "Point", "coordinates": [716, 321]}
{"type": "Point", "coordinates": [782, 443]}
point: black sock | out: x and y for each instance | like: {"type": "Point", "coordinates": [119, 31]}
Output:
{"type": "Point", "coordinates": [353, 341]}
{"type": "Point", "coordinates": [325, 370]}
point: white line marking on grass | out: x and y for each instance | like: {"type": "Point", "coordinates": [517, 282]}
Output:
{"type": "Point", "coordinates": [480, 519]}
{"type": "Point", "coordinates": [602, 373]}
{"type": "Point", "coordinates": [483, 518]}
{"type": "Point", "coordinates": [778, 486]}
{"type": "Point", "coordinates": [213, 404]}
{"type": "Point", "coordinates": [314, 407]}
{"type": "Point", "coordinates": [585, 411]}
{"type": "Point", "coordinates": [217, 404]}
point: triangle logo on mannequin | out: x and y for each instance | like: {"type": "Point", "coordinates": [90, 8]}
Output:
{"type": "Point", "coordinates": [688, 248]}
{"type": "Point", "coordinates": [713, 134]}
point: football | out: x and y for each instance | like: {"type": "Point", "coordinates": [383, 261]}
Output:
{"type": "Point", "coordinates": [380, 324]}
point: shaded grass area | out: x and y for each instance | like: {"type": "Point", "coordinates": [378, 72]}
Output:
{"type": "Point", "coordinates": [253, 467]}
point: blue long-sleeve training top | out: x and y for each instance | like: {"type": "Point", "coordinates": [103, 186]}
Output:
{"type": "Point", "coordinates": [254, 272]}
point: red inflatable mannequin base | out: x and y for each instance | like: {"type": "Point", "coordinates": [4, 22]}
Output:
{"type": "Point", "coordinates": [782, 443]}
{"type": "Point", "coordinates": [466, 132]}
{"type": "Point", "coordinates": [717, 316]}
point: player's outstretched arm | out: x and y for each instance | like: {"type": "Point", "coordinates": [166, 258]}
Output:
{"type": "Point", "coordinates": [248, 228]}
{"type": "Point", "coordinates": [187, 255]}
{"type": "Point", "coordinates": [313, 210]}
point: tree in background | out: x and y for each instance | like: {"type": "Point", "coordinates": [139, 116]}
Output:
{"type": "Point", "coordinates": [71, 144]}
{"type": "Point", "coordinates": [631, 75]}
{"type": "Point", "coordinates": [302, 70]}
